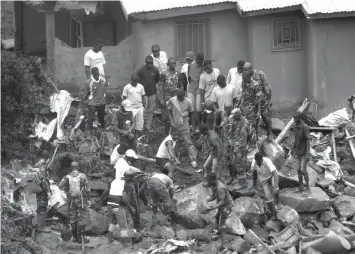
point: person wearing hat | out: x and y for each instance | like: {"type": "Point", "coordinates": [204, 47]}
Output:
{"type": "Point", "coordinates": [76, 186]}
{"type": "Point", "coordinates": [215, 156]}
{"type": "Point", "coordinates": [224, 204]}
{"type": "Point", "coordinates": [190, 57]}
{"type": "Point", "coordinates": [123, 123]}
{"type": "Point", "coordinates": [264, 170]}
{"type": "Point", "coordinates": [208, 81]}
{"type": "Point", "coordinates": [135, 93]}
{"type": "Point", "coordinates": [238, 136]}
{"type": "Point", "coordinates": [301, 149]}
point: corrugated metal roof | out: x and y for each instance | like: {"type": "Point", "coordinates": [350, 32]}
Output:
{"type": "Point", "coordinates": [257, 5]}
{"type": "Point", "coordinates": [328, 6]}
{"type": "Point", "coordinates": [140, 6]}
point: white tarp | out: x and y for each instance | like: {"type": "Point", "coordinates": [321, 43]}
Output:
{"type": "Point", "coordinates": [335, 119]}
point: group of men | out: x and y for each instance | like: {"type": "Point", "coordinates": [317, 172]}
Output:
{"type": "Point", "coordinates": [198, 98]}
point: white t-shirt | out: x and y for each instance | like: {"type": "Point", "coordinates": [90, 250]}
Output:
{"type": "Point", "coordinates": [235, 79]}
{"type": "Point", "coordinates": [223, 96]}
{"type": "Point", "coordinates": [134, 94]}
{"type": "Point", "coordinates": [163, 149]}
{"type": "Point", "coordinates": [93, 59]}
{"type": "Point", "coordinates": [165, 179]}
{"type": "Point", "coordinates": [161, 61]}
{"type": "Point", "coordinates": [265, 170]}
{"type": "Point", "coordinates": [208, 81]}
{"type": "Point", "coordinates": [185, 70]}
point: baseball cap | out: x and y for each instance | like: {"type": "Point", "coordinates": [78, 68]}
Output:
{"type": "Point", "coordinates": [127, 105]}
{"type": "Point", "coordinates": [234, 112]}
{"type": "Point", "coordinates": [190, 54]}
{"type": "Point", "coordinates": [131, 153]}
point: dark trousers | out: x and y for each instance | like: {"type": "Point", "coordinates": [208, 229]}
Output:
{"type": "Point", "coordinates": [91, 114]}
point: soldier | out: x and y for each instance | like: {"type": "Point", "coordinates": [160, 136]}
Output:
{"type": "Point", "coordinates": [263, 98]}
{"type": "Point", "coordinates": [216, 151]}
{"type": "Point", "coordinates": [224, 203]}
{"type": "Point", "coordinates": [76, 186]}
{"type": "Point", "coordinates": [238, 135]}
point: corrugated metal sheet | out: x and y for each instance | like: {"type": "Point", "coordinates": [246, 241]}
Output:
{"type": "Point", "coordinates": [257, 5]}
{"type": "Point", "coordinates": [140, 6]}
{"type": "Point", "coordinates": [328, 6]}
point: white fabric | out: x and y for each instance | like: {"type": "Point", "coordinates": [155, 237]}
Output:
{"type": "Point", "coordinates": [134, 94]}
{"type": "Point", "coordinates": [224, 96]}
{"type": "Point", "coordinates": [93, 59]}
{"type": "Point", "coordinates": [45, 131]}
{"type": "Point", "coordinates": [114, 156]}
{"type": "Point", "coordinates": [163, 149]}
{"type": "Point", "coordinates": [265, 170]}
{"type": "Point", "coordinates": [60, 104]}
{"type": "Point", "coordinates": [161, 62]}
{"type": "Point", "coordinates": [117, 187]}
{"type": "Point", "coordinates": [335, 119]}
{"type": "Point", "coordinates": [235, 79]}
{"type": "Point", "coordinates": [185, 69]}
{"type": "Point", "coordinates": [208, 81]}
{"type": "Point", "coordinates": [331, 168]}
{"type": "Point", "coordinates": [165, 179]}
{"type": "Point", "coordinates": [121, 167]}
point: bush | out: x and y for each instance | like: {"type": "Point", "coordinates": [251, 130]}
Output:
{"type": "Point", "coordinates": [24, 89]}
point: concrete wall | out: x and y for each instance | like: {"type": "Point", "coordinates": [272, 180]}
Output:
{"type": "Point", "coordinates": [70, 71]}
{"type": "Point", "coordinates": [228, 38]}
{"type": "Point", "coordinates": [286, 70]}
{"type": "Point", "coordinates": [331, 62]}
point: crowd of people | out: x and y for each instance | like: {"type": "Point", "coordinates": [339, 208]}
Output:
{"type": "Point", "coordinates": [197, 99]}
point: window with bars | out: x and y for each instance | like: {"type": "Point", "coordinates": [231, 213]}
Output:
{"type": "Point", "coordinates": [286, 34]}
{"type": "Point", "coordinates": [192, 35]}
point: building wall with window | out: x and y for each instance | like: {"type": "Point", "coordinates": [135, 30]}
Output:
{"type": "Point", "coordinates": [331, 62]}
{"type": "Point", "coordinates": [277, 47]}
{"type": "Point", "coordinates": [221, 36]}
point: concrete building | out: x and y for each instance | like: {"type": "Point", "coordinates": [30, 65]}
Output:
{"type": "Point", "coordinates": [305, 47]}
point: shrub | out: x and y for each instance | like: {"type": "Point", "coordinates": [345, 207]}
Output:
{"type": "Point", "coordinates": [24, 88]}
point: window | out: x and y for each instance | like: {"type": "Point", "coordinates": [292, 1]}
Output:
{"type": "Point", "coordinates": [286, 34]}
{"type": "Point", "coordinates": [76, 33]}
{"type": "Point", "coordinates": [192, 35]}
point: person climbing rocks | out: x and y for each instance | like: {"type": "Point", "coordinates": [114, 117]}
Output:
{"type": "Point", "coordinates": [166, 158]}
{"type": "Point", "coordinates": [238, 135]}
{"type": "Point", "coordinates": [161, 190]}
{"type": "Point", "coordinates": [214, 159]}
{"type": "Point", "coordinates": [180, 111]}
{"type": "Point", "coordinates": [265, 171]}
{"type": "Point", "coordinates": [224, 204]}
{"type": "Point", "coordinates": [76, 186]}
{"type": "Point", "coordinates": [212, 117]}
{"type": "Point", "coordinates": [301, 149]}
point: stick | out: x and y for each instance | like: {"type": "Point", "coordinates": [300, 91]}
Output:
{"type": "Point", "coordinates": [304, 106]}
{"type": "Point", "coordinates": [351, 144]}
{"type": "Point", "coordinates": [176, 167]}
{"type": "Point", "coordinates": [334, 147]}
{"type": "Point", "coordinates": [55, 152]}
{"type": "Point", "coordinates": [51, 82]}
{"type": "Point", "coordinates": [82, 233]}
{"type": "Point", "coordinates": [300, 247]}
{"type": "Point", "coordinates": [321, 128]}
{"type": "Point", "coordinates": [261, 241]}
{"type": "Point", "coordinates": [349, 184]}
{"type": "Point", "coordinates": [353, 136]}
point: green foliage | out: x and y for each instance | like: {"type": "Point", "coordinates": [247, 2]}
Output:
{"type": "Point", "coordinates": [24, 87]}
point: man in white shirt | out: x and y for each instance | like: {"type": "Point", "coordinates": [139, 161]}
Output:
{"type": "Point", "coordinates": [208, 81]}
{"type": "Point", "coordinates": [135, 93]}
{"type": "Point", "coordinates": [235, 79]}
{"type": "Point", "coordinates": [264, 170]}
{"type": "Point", "coordinates": [95, 58]}
{"type": "Point", "coordinates": [160, 58]}
{"type": "Point", "coordinates": [190, 57]}
{"type": "Point", "coordinates": [223, 94]}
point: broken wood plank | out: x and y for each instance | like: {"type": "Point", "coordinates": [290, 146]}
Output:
{"type": "Point", "coordinates": [176, 167]}
{"type": "Point", "coordinates": [304, 106]}
{"type": "Point", "coordinates": [261, 241]}
{"type": "Point", "coordinates": [321, 128]}
{"type": "Point", "coordinates": [334, 147]}
{"type": "Point", "coordinates": [347, 138]}
{"type": "Point", "coordinates": [351, 144]}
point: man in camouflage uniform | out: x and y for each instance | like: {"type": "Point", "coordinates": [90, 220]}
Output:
{"type": "Point", "coordinates": [263, 98]}
{"type": "Point", "coordinates": [169, 84]}
{"type": "Point", "coordinates": [43, 197]}
{"type": "Point", "coordinates": [78, 202]}
{"type": "Point", "coordinates": [238, 135]}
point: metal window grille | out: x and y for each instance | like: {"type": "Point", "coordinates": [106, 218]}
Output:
{"type": "Point", "coordinates": [192, 35]}
{"type": "Point", "coordinates": [286, 34]}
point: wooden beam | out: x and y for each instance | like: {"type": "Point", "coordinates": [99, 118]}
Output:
{"type": "Point", "coordinates": [321, 128]}
{"type": "Point", "coordinates": [353, 136]}
{"type": "Point", "coordinates": [351, 144]}
{"type": "Point", "coordinates": [304, 106]}
{"type": "Point", "coordinates": [334, 147]}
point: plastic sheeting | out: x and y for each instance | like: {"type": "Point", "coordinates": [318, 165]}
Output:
{"type": "Point", "coordinates": [335, 119]}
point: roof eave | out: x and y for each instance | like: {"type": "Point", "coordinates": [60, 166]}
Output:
{"type": "Point", "coordinates": [267, 11]}
{"type": "Point", "coordinates": [331, 15]}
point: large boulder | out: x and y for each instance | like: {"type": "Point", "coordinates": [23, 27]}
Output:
{"type": "Point", "coordinates": [289, 176]}
{"type": "Point", "coordinates": [190, 203]}
{"type": "Point", "coordinates": [233, 225]}
{"type": "Point", "coordinates": [277, 124]}
{"type": "Point", "coordinates": [249, 210]}
{"type": "Point", "coordinates": [273, 151]}
{"type": "Point", "coordinates": [96, 223]}
{"type": "Point", "coordinates": [344, 206]}
{"type": "Point", "coordinates": [49, 240]}
{"type": "Point", "coordinates": [288, 216]}
{"type": "Point", "coordinates": [238, 192]}
{"type": "Point", "coordinates": [316, 200]}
